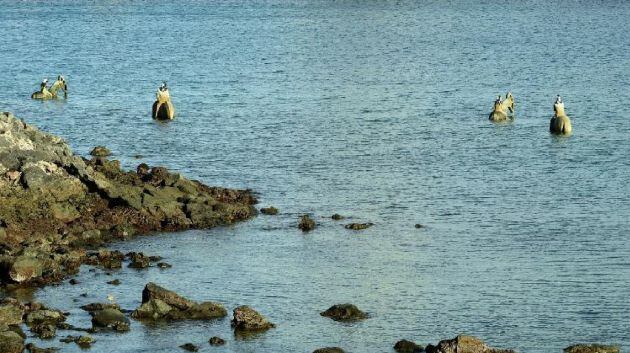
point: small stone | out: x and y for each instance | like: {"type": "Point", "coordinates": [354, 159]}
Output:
{"type": "Point", "coordinates": [100, 151]}
{"type": "Point", "coordinates": [114, 282]}
{"type": "Point", "coordinates": [272, 211]}
{"type": "Point", "coordinates": [404, 346]}
{"type": "Point", "coordinates": [344, 312]}
{"type": "Point", "coordinates": [329, 350]}
{"type": "Point", "coordinates": [337, 217]}
{"type": "Point", "coordinates": [189, 347]}
{"type": "Point", "coordinates": [358, 226]}
{"type": "Point", "coordinates": [73, 282]}
{"type": "Point", "coordinates": [216, 341]}
{"type": "Point", "coordinates": [164, 265]}
{"type": "Point", "coordinates": [306, 223]}
{"type": "Point", "coordinates": [418, 226]}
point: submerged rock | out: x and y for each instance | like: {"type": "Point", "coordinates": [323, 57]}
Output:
{"type": "Point", "coordinates": [216, 341]}
{"type": "Point", "coordinates": [189, 347]}
{"type": "Point", "coordinates": [358, 226]}
{"type": "Point", "coordinates": [161, 304]}
{"type": "Point", "coordinates": [81, 341]}
{"type": "Point", "coordinates": [464, 344]}
{"type": "Point", "coordinates": [55, 205]}
{"type": "Point", "coordinates": [248, 319]}
{"type": "Point", "coordinates": [272, 211]}
{"type": "Point", "coordinates": [591, 348]}
{"type": "Point", "coordinates": [344, 312]}
{"type": "Point", "coordinates": [337, 217]}
{"type": "Point", "coordinates": [34, 349]}
{"type": "Point", "coordinates": [329, 350]}
{"type": "Point", "coordinates": [99, 306]}
{"type": "Point", "coordinates": [138, 260]}
{"type": "Point", "coordinates": [306, 223]}
{"type": "Point", "coordinates": [44, 331]}
{"type": "Point", "coordinates": [404, 346]}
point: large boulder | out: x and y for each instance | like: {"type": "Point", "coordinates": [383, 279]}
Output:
{"type": "Point", "coordinates": [248, 319]}
{"type": "Point", "coordinates": [464, 344]}
{"type": "Point", "coordinates": [344, 312]}
{"type": "Point", "coordinates": [159, 303]}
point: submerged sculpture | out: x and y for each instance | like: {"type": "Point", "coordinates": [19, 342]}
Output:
{"type": "Point", "coordinates": [51, 93]}
{"type": "Point", "coordinates": [502, 107]}
{"type": "Point", "coordinates": [560, 123]}
{"type": "Point", "coordinates": [163, 107]}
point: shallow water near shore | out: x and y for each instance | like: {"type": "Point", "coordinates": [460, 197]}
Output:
{"type": "Point", "coordinates": [374, 111]}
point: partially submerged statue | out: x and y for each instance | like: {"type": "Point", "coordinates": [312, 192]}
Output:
{"type": "Point", "coordinates": [162, 107]}
{"type": "Point", "coordinates": [51, 93]}
{"type": "Point", "coordinates": [502, 107]}
{"type": "Point", "coordinates": [560, 123]}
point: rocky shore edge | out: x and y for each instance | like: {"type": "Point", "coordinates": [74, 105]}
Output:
{"type": "Point", "coordinates": [56, 206]}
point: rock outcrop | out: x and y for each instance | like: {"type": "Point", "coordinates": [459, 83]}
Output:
{"type": "Point", "coordinates": [54, 205]}
{"type": "Point", "coordinates": [161, 304]}
{"type": "Point", "coordinates": [344, 312]}
{"type": "Point", "coordinates": [306, 224]}
{"type": "Point", "coordinates": [464, 344]}
{"type": "Point", "coordinates": [405, 346]}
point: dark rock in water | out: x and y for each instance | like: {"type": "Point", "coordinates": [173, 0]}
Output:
{"type": "Point", "coordinates": [329, 350]}
{"type": "Point", "coordinates": [164, 265]}
{"type": "Point", "coordinates": [34, 349]}
{"type": "Point", "coordinates": [110, 318]}
{"type": "Point", "coordinates": [161, 304]}
{"type": "Point", "coordinates": [100, 151]}
{"type": "Point", "coordinates": [81, 341]}
{"type": "Point", "coordinates": [358, 226]}
{"type": "Point", "coordinates": [269, 210]}
{"type": "Point", "coordinates": [306, 223]}
{"type": "Point", "coordinates": [344, 312]}
{"type": "Point", "coordinates": [89, 203]}
{"type": "Point", "coordinates": [216, 341]}
{"type": "Point", "coordinates": [591, 348]}
{"type": "Point", "coordinates": [114, 282]}
{"type": "Point", "coordinates": [74, 282]}
{"type": "Point", "coordinates": [418, 226]}
{"type": "Point", "coordinates": [44, 331]}
{"type": "Point", "coordinates": [404, 346]}
{"type": "Point", "coordinates": [248, 319]}
{"type": "Point", "coordinates": [138, 260]}
{"type": "Point", "coordinates": [11, 342]}
{"type": "Point", "coordinates": [189, 347]}
{"type": "Point", "coordinates": [99, 306]}
{"type": "Point", "coordinates": [463, 344]}
{"type": "Point", "coordinates": [337, 217]}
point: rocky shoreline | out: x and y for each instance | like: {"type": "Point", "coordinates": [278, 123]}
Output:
{"type": "Point", "coordinates": [58, 211]}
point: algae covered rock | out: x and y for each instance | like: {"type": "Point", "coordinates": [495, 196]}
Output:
{"type": "Point", "coordinates": [344, 312]}
{"type": "Point", "coordinates": [100, 151]}
{"type": "Point", "coordinates": [306, 224]}
{"type": "Point", "coordinates": [272, 211]}
{"type": "Point", "coordinates": [591, 348]}
{"type": "Point", "coordinates": [216, 341]}
{"type": "Point", "coordinates": [11, 342]}
{"type": "Point", "coordinates": [248, 319]}
{"type": "Point", "coordinates": [159, 303]}
{"type": "Point", "coordinates": [358, 226]}
{"type": "Point", "coordinates": [464, 344]}
{"type": "Point", "coordinates": [110, 318]}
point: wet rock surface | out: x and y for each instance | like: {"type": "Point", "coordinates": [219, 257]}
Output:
{"type": "Point", "coordinates": [55, 206]}
{"type": "Point", "coordinates": [404, 346]}
{"type": "Point", "coordinates": [11, 342]}
{"type": "Point", "coordinates": [271, 211]}
{"type": "Point", "coordinates": [358, 226]}
{"type": "Point", "coordinates": [216, 341]}
{"type": "Point", "coordinates": [100, 151]}
{"type": "Point", "coordinates": [306, 224]}
{"type": "Point", "coordinates": [110, 318]}
{"type": "Point", "coordinates": [159, 303]}
{"type": "Point", "coordinates": [81, 341]}
{"type": "Point", "coordinates": [34, 349]}
{"type": "Point", "coordinates": [464, 344]}
{"type": "Point", "coordinates": [248, 319]}
{"type": "Point", "coordinates": [189, 347]}
{"type": "Point", "coordinates": [592, 348]}
{"type": "Point", "coordinates": [344, 312]}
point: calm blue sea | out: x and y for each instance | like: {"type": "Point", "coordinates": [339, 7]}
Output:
{"type": "Point", "coordinates": [376, 110]}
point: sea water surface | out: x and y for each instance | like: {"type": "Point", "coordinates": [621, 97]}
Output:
{"type": "Point", "coordinates": [376, 110]}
